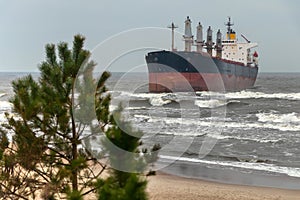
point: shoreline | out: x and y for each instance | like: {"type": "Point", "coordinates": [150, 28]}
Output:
{"type": "Point", "coordinates": [167, 186]}
{"type": "Point", "coordinates": [234, 176]}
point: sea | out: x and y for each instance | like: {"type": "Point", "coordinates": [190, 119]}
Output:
{"type": "Point", "coordinates": [249, 137]}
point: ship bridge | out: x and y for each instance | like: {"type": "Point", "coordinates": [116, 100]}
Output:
{"type": "Point", "coordinates": [237, 51]}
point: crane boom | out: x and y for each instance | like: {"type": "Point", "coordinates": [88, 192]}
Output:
{"type": "Point", "coordinates": [245, 38]}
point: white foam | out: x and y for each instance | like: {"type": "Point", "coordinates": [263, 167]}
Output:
{"type": "Point", "coordinates": [112, 108]}
{"type": "Point", "coordinates": [295, 172]}
{"type": "Point", "coordinates": [279, 118]}
{"type": "Point", "coordinates": [225, 123]}
{"type": "Point", "coordinates": [2, 118]}
{"type": "Point", "coordinates": [144, 117]}
{"type": "Point", "coordinates": [213, 103]}
{"type": "Point", "coordinates": [256, 95]}
{"type": "Point", "coordinates": [158, 101]}
{"type": "Point", "coordinates": [252, 95]}
{"type": "Point", "coordinates": [136, 108]}
{"type": "Point", "coordinates": [154, 99]}
{"type": "Point", "coordinates": [261, 140]}
{"type": "Point", "coordinates": [2, 94]}
{"type": "Point", "coordinates": [5, 105]}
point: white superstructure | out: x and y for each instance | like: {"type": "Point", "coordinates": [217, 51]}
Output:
{"type": "Point", "coordinates": [237, 51]}
{"type": "Point", "coordinates": [227, 49]}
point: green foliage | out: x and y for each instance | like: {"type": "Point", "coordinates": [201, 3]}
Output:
{"type": "Point", "coordinates": [75, 195]}
{"type": "Point", "coordinates": [127, 180]}
{"type": "Point", "coordinates": [48, 127]}
{"type": "Point", "coordinates": [133, 189]}
{"type": "Point", "coordinates": [44, 154]}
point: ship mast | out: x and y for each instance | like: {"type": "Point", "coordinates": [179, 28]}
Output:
{"type": "Point", "coordinates": [229, 24]}
{"type": "Point", "coordinates": [230, 33]}
{"type": "Point", "coordinates": [172, 27]}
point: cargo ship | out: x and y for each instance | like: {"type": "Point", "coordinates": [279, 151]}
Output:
{"type": "Point", "coordinates": [223, 65]}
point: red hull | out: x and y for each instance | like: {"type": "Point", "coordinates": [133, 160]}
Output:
{"type": "Point", "coordinates": [176, 82]}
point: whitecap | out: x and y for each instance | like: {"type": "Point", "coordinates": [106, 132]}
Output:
{"type": "Point", "coordinates": [154, 99]}
{"type": "Point", "coordinates": [240, 138]}
{"type": "Point", "coordinates": [213, 103]}
{"type": "Point", "coordinates": [158, 101]}
{"type": "Point", "coordinates": [225, 123]}
{"type": "Point", "coordinates": [295, 172]}
{"type": "Point", "coordinates": [257, 95]}
{"type": "Point", "coordinates": [2, 118]}
{"type": "Point", "coordinates": [251, 95]}
{"type": "Point", "coordinates": [279, 118]}
{"type": "Point", "coordinates": [5, 105]}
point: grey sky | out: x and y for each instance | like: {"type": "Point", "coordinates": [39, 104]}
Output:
{"type": "Point", "coordinates": [26, 26]}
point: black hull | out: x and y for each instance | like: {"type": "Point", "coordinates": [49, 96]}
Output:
{"type": "Point", "coordinates": [200, 71]}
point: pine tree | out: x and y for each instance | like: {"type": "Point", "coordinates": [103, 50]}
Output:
{"type": "Point", "coordinates": [44, 157]}
{"type": "Point", "coordinates": [126, 181]}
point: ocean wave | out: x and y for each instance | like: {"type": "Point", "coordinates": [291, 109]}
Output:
{"type": "Point", "coordinates": [137, 108]}
{"type": "Point", "coordinates": [290, 171]}
{"type": "Point", "coordinates": [240, 138]}
{"type": "Point", "coordinates": [2, 94]}
{"type": "Point", "coordinates": [214, 103]}
{"type": "Point", "coordinates": [226, 124]}
{"type": "Point", "coordinates": [5, 105]}
{"type": "Point", "coordinates": [251, 95]}
{"type": "Point", "coordinates": [250, 159]}
{"type": "Point", "coordinates": [154, 99]}
{"type": "Point", "coordinates": [279, 118]}
{"type": "Point", "coordinates": [222, 124]}
{"type": "Point", "coordinates": [2, 118]}
{"type": "Point", "coordinates": [159, 101]}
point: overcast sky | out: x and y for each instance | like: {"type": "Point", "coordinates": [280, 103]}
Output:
{"type": "Point", "coordinates": [27, 25]}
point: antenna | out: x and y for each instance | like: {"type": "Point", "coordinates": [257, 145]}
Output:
{"type": "Point", "coordinates": [172, 27]}
{"type": "Point", "coordinates": [229, 24]}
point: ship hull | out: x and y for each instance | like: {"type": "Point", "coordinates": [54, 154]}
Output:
{"type": "Point", "coordinates": [192, 71]}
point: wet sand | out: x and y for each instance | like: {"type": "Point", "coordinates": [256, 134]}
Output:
{"type": "Point", "coordinates": [167, 187]}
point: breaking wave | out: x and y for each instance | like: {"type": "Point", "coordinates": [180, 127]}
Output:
{"type": "Point", "coordinates": [225, 137]}
{"type": "Point", "coordinates": [5, 105]}
{"type": "Point", "coordinates": [2, 118]}
{"type": "Point", "coordinates": [154, 99]}
{"type": "Point", "coordinates": [290, 171]}
{"type": "Point", "coordinates": [288, 118]}
{"type": "Point", "coordinates": [252, 95]}
{"type": "Point", "coordinates": [213, 103]}
{"type": "Point", "coordinates": [224, 124]}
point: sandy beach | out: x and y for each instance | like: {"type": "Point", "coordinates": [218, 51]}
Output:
{"type": "Point", "coordinates": [167, 187]}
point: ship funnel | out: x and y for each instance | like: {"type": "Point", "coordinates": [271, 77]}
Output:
{"type": "Point", "coordinates": [209, 42]}
{"type": "Point", "coordinates": [188, 37]}
{"type": "Point", "coordinates": [199, 40]}
{"type": "Point", "coordinates": [219, 44]}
